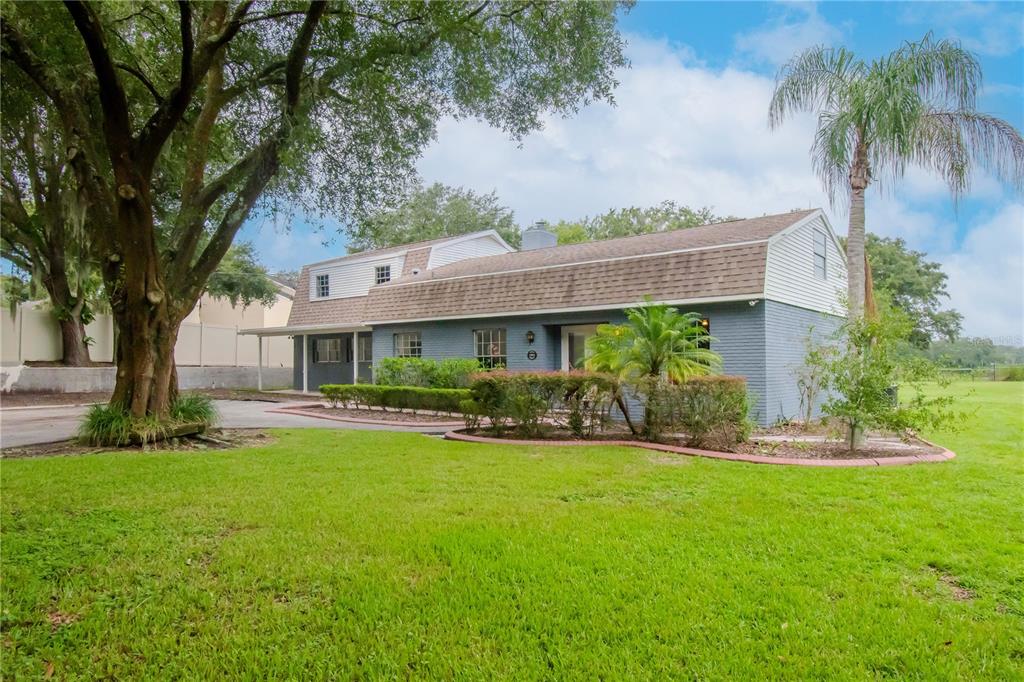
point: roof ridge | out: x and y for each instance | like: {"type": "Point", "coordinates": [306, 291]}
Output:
{"type": "Point", "coordinates": [410, 246]}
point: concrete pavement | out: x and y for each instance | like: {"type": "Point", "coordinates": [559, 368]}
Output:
{"type": "Point", "coordinates": [30, 426]}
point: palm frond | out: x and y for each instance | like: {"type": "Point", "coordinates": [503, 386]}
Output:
{"type": "Point", "coordinates": [814, 80]}
{"type": "Point", "coordinates": [939, 70]}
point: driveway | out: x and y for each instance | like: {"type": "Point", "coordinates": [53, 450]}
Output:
{"type": "Point", "coordinates": [30, 426]}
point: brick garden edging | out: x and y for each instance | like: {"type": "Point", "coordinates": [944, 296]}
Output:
{"type": "Point", "coordinates": [305, 411]}
{"type": "Point", "coordinates": [714, 454]}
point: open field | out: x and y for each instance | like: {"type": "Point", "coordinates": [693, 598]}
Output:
{"type": "Point", "coordinates": [341, 554]}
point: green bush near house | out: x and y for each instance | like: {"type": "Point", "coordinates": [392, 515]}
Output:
{"type": "Point", "coordinates": [425, 372]}
{"type": "Point", "coordinates": [394, 397]}
{"type": "Point", "coordinates": [531, 400]}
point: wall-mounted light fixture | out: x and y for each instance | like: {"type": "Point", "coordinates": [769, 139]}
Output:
{"type": "Point", "coordinates": [530, 336]}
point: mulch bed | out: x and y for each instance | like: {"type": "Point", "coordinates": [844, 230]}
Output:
{"type": "Point", "coordinates": [397, 416]}
{"type": "Point", "coordinates": [834, 450]}
{"type": "Point", "coordinates": [791, 449]}
{"type": "Point", "coordinates": [214, 439]}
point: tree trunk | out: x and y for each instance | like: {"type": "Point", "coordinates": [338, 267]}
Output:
{"type": "Point", "coordinates": [147, 382]}
{"type": "Point", "coordinates": [859, 175]}
{"type": "Point", "coordinates": [72, 336]}
{"type": "Point", "coordinates": [147, 321]}
{"type": "Point", "coordinates": [856, 261]}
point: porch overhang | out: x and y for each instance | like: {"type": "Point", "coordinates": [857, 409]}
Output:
{"type": "Point", "coordinates": [305, 329]}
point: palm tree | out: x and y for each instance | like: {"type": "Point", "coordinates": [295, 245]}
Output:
{"type": "Point", "coordinates": [915, 106]}
{"type": "Point", "coordinates": [657, 342]}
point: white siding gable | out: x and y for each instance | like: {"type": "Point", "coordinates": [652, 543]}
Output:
{"type": "Point", "coordinates": [461, 249]}
{"type": "Point", "coordinates": [790, 276]}
{"type": "Point", "coordinates": [352, 278]}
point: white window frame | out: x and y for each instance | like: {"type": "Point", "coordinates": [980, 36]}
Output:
{"type": "Point", "coordinates": [327, 351]}
{"type": "Point", "coordinates": [486, 341]}
{"type": "Point", "coordinates": [323, 285]}
{"type": "Point", "coordinates": [820, 258]}
{"type": "Point", "coordinates": [382, 274]}
{"type": "Point", "coordinates": [408, 345]}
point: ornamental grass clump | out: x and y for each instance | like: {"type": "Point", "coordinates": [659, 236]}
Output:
{"type": "Point", "coordinates": [113, 425]}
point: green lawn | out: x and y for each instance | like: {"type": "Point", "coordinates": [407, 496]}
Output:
{"type": "Point", "coordinates": [339, 554]}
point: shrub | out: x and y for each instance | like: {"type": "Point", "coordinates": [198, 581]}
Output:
{"type": "Point", "coordinates": [530, 399]}
{"type": "Point", "coordinates": [860, 369]}
{"type": "Point", "coordinates": [113, 425]}
{"type": "Point", "coordinates": [713, 411]}
{"type": "Point", "coordinates": [425, 373]}
{"type": "Point", "coordinates": [396, 397]}
{"type": "Point", "coordinates": [1015, 373]}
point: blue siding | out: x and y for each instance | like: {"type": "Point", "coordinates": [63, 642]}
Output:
{"type": "Point", "coordinates": [764, 343]}
{"type": "Point", "coordinates": [323, 372]}
{"type": "Point", "coordinates": [787, 329]}
{"type": "Point", "coordinates": [738, 330]}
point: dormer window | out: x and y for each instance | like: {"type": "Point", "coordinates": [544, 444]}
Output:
{"type": "Point", "coordinates": [820, 255]}
{"type": "Point", "coordinates": [323, 286]}
{"type": "Point", "coordinates": [382, 274]}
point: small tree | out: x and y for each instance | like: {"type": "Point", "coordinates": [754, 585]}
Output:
{"type": "Point", "coordinates": [658, 343]}
{"type": "Point", "coordinates": [862, 370]}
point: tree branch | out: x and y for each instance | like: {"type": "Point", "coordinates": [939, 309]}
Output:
{"type": "Point", "coordinates": [116, 116]}
{"type": "Point", "coordinates": [141, 77]}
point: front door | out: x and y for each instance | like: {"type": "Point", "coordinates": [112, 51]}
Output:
{"type": "Point", "coordinates": [574, 345]}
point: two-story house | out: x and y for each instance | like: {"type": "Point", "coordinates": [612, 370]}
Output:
{"type": "Point", "coordinates": [760, 285]}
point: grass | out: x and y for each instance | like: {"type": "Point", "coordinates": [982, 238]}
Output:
{"type": "Point", "coordinates": [363, 554]}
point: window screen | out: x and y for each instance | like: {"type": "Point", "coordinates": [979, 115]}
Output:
{"type": "Point", "coordinates": [327, 350]}
{"type": "Point", "coordinates": [491, 350]}
{"type": "Point", "coordinates": [820, 255]}
{"type": "Point", "coordinates": [408, 345]}
{"type": "Point", "coordinates": [323, 286]}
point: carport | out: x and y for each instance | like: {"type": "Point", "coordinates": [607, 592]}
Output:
{"type": "Point", "coordinates": [304, 332]}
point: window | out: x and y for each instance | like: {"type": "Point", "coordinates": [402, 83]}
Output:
{"type": "Point", "coordinates": [365, 348]}
{"type": "Point", "coordinates": [408, 345]}
{"type": "Point", "coordinates": [820, 255]}
{"type": "Point", "coordinates": [323, 286]}
{"type": "Point", "coordinates": [491, 350]}
{"type": "Point", "coordinates": [327, 350]}
{"type": "Point", "coordinates": [382, 274]}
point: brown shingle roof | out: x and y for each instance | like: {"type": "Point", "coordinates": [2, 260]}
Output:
{"type": "Point", "coordinates": [711, 261]}
{"type": "Point", "coordinates": [716, 234]}
{"type": "Point", "coordinates": [416, 260]}
{"type": "Point", "coordinates": [729, 271]}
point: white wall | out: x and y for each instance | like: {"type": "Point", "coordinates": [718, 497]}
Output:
{"type": "Point", "coordinates": [450, 252]}
{"type": "Point", "coordinates": [353, 278]}
{"type": "Point", "coordinates": [789, 274]}
{"type": "Point", "coordinates": [33, 335]}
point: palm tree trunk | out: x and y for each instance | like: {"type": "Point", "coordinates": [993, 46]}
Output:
{"type": "Point", "coordinates": [855, 233]}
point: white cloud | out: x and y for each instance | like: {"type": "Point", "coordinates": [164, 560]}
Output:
{"type": "Point", "coordinates": [990, 28]}
{"type": "Point", "coordinates": [679, 131]}
{"type": "Point", "coordinates": [795, 28]}
{"type": "Point", "coordinates": [986, 275]}
{"type": "Point", "coordinates": [698, 136]}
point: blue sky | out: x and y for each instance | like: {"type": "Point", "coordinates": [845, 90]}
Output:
{"type": "Point", "coordinates": [690, 125]}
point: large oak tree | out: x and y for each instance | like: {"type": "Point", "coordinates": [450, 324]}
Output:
{"type": "Point", "coordinates": [180, 120]}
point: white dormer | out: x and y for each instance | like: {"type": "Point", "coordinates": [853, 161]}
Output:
{"type": "Point", "coordinates": [354, 275]}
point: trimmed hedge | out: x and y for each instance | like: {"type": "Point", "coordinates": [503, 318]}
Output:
{"type": "Point", "coordinates": [529, 400]}
{"type": "Point", "coordinates": [425, 373]}
{"type": "Point", "coordinates": [396, 397]}
{"type": "Point", "coordinates": [712, 411]}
